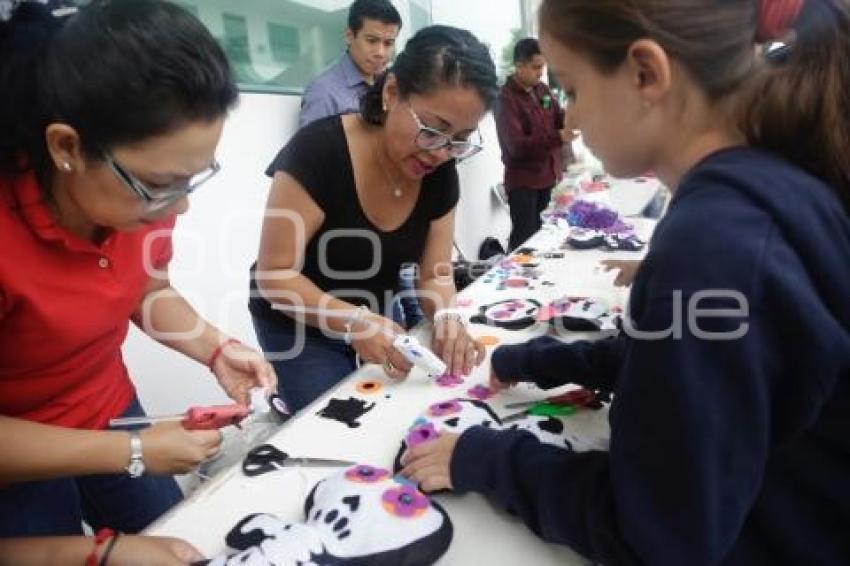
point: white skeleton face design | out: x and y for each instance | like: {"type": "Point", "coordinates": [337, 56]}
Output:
{"type": "Point", "coordinates": [274, 543]}
{"type": "Point", "coordinates": [367, 511]}
{"type": "Point", "coordinates": [358, 515]}
{"type": "Point", "coordinates": [559, 432]}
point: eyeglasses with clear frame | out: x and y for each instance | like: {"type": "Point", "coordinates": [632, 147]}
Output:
{"type": "Point", "coordinates": [158, 200]}
{"type": "Point", "coordinates": [430, 139]}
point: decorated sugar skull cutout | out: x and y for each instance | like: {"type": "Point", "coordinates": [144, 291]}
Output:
{"type": "Point", "coordinates": [559, 432]}
{"type": "Point", "coordinates": [624, 242]}
{"type": "Point", "coordinates": [359, 515]}
{"type": "Point", "coordinates": [455, 415]}
{"type": "Point", "coordinates": [585, 238]}
{"type": "Point", "coordinates": [511, 314]}
{"type": "Point", "coordinates": [458, 415]}
{"type": "Point", "coordinates": [371, 513]}
{"type": "Point", "coordinates": [579, 314]}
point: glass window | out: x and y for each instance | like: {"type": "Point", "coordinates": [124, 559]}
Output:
{"type": "Point", "coordinates": [280, 45]}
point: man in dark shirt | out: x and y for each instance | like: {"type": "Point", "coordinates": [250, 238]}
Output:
{"type": "Point", "coordinates": [530, 124]}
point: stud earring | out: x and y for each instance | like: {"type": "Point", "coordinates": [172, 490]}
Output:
{"type": "Point", "coordinates": [66, 166]}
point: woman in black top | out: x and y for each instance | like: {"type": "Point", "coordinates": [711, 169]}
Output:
{"type": "Point", "coordinates": [356, 196]}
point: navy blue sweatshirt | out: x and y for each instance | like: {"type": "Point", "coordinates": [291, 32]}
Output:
{"type": "Point", "coordinates": [729, 451]}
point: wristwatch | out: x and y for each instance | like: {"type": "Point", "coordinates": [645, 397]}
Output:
{"type": "Point", "coordinates": [136, 467]}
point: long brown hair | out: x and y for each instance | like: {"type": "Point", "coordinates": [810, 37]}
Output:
{"type": "Point", "coordinates": [795, 101]}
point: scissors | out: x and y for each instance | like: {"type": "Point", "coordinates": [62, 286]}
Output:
{"type": "Point", "coordinates": [267, 458]}
{"type": "Point", "coordinates": [578, 397]}
{"type": "Point", "coordinates": [542, 409]}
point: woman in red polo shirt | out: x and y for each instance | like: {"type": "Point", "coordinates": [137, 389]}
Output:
{"type": "Point", "coordinates": [109, 119]}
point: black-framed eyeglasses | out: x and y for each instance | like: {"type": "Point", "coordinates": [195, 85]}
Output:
{"type": "Point", "coordinates": [157, 200]}
{"type": "Point", "coordinates": [430, 139]}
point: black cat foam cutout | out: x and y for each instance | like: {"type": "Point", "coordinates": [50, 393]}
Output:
{"type": "Point", "coordinates": [346, 411]}
{"type": "Point", "coordinates": [361, 515]}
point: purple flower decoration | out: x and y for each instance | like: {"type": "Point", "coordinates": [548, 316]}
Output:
{"type": "Point", "coordinates": [480, 392]}
{"type": "Point", "coordinates": [421, 434]}
{"type": "Point", "coordinates": [366, 474]}
{"type": "Point", "coordinates": [449, 380]}
{"type": "Point", "coordinates": [404, 501]}
{"type": "Point", "coordinates": [590, 215]}
{"type": "Point", "coordinates": [444, 408]}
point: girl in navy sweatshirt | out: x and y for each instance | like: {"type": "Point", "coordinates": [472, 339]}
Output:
{"type": "Point", "coordinates": [729, 427]}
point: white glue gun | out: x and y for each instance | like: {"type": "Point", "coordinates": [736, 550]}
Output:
{"type": "Point", "coordinates": [419, 355]}
{"type": "Point", "coordinates": [410, 348]}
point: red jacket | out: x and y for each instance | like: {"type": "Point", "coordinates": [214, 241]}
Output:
{"type": "Point", "coordinates": [528, 125]}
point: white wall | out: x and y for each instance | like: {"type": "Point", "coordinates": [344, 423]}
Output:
{"type": "Point", "coordinates": [214, 245]}
{"type": "Point", "coordinates": [216, 242]}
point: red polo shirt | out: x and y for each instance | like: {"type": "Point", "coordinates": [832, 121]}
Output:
{"type": "Point", "coordinates": [65, 305]}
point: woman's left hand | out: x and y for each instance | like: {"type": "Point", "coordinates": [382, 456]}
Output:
{"type": "Point", "coordinates": [240, 369]}
{"type": "Point", "coordinates": [429, 464]}
{"type": "Point", "coordinates": [453, 344]}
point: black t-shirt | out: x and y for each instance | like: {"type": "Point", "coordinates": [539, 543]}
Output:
{"type": "Point", "coordinates": [348, 256]}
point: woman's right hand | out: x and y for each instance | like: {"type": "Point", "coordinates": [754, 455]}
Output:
{"type": "Point", "coordinates": [168, 448]}
{"type": "Point", "coordinates": [376, 346]}
{"type": "Point", "coordinates": [130, 550]}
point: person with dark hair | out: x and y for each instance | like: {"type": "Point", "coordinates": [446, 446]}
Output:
{"type": "Point", "coordinates": [96, 159]}
{"type": "Point", "coordinates": [373, 27]}
{"type": "Point", "coordinates": [531, 130]}
{"type": "Point", "coordinates": [729, 439]}
{"type": "Point", "coordinates": [356, 196]}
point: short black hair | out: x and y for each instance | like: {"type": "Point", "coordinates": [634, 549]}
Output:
{"type": "Point", "coordinates": [525, 50]}
{"type": "Point", "coordinates": [118, 72]}
{"type": "Point", "coordinates": [380, 10]}
{"type": "Point", "coordinates": [437, 56]}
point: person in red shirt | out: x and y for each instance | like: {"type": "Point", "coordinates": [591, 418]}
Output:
{"type": "Point", "coordinates": [110, 118]}
{"type": "Point", "coordinates": [530, 125]}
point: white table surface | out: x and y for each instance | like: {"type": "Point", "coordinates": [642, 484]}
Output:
{"type": "Point", "coordinates": [484, 534]}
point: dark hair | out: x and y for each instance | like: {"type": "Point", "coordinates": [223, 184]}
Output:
{"type": "Point", "coordinates": [525, 50]}
{"type": "Point", "coordinates": [380, 10]}
{"type": "Point", "coordinates": [437, 56]}
{"type": "Point", "coordinates": [118, 71]}
{"type": "Point", "coordinates": [796, 106]}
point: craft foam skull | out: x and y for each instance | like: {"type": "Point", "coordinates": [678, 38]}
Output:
{"type": "Point", "coordinates": [360, 515]}
{"type": "Point", "coordinates": [457, 415]}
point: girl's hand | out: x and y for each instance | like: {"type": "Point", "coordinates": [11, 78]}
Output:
{"type": "Point", "coordinates": [429, 464]}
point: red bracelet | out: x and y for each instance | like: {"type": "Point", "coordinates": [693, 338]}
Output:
{"type": "Point", "coordinates": [217, 352]}
{"type": "Point", "coordinates": [101, 537]}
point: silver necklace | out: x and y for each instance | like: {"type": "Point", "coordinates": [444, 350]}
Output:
{"type": "Point", "coordinates": [395, 187]}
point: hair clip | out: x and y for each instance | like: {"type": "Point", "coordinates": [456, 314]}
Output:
{"type": "Point", "coordinates": [777, 52]}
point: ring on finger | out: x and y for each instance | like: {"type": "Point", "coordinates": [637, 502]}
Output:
{"type": "Point", "coordinates": [389, 367]}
